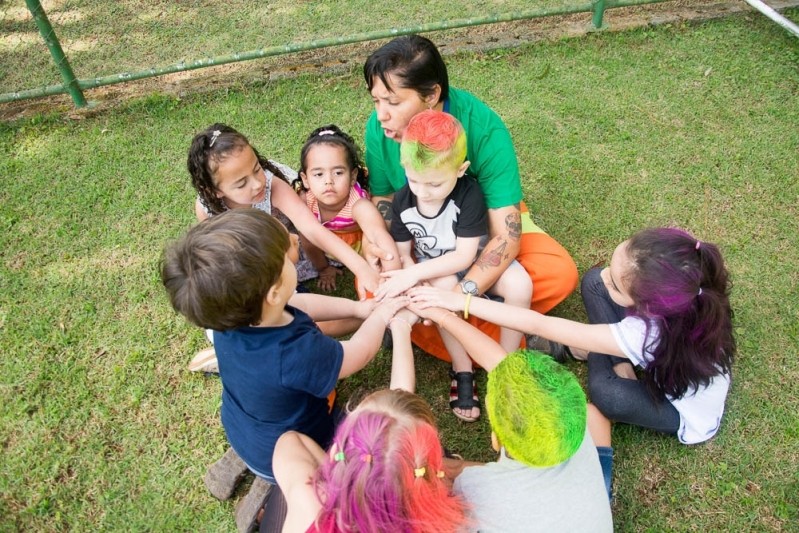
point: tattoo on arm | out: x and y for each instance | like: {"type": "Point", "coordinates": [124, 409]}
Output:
{"type": "Point", "coordinates": [514, 224]}
{"type": "Point", "coordinates": [384, 208]}
{"type": "Point", "coordinates": [492, 258]}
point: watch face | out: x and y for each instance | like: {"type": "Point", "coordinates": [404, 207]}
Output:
{"type": "Point", "coordinates": [469, 287]}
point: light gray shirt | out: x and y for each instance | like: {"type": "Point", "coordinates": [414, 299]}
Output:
{"type": "Point", "coordinates": [508, 496]}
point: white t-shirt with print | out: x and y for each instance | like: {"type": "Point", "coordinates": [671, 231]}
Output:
{"type": "Point", "coordinates": [700, 410]}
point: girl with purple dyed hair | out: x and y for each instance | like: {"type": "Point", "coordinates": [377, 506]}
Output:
{"type": "Point", "coordinates": [663, 306]}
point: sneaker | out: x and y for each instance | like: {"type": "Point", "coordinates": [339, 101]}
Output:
{"type": "Point", "coordinates": [205, 361]}
{"type": "Point", "coordinates": [556, 350]}
{"type": "Point", "coordinates": [224, 475]}
{"type": "Point", "coordinates": [250, 506]}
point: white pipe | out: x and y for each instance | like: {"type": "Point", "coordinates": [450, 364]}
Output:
{"type": "Point", "coordinates": [773, 15]}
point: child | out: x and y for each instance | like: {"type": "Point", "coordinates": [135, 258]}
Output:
{"type": "Point", "coordinates": [384, 472]}
{"type": "Point", "coordinates": [229, 173]}
{"type": "Point", "coordinates": [335, 183]}
{"type": "Point", "coordinates": [548, 476]}
{"type": "Point", "coordinates": [663, 305]}
{"type": "Point", "coordinates": [443, 219]}
{"type": "Point", "coordinates": [233, 274]}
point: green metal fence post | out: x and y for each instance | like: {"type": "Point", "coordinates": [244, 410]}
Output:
{"type": "Point", "coordinates": [50, 38]}
{"type": "Point", "coordinates": [599, 12]}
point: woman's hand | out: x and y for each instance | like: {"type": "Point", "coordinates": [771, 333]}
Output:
{"type": "Point", "coordinates": [423, 297]}
{"type": "Point", "coordinates": [327, 278]}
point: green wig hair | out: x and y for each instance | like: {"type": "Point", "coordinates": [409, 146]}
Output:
{"type": "Point", "coordinates": [537, 408]}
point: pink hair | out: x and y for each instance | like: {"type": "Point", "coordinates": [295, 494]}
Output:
{"type": "Point", "coordinates": [382, 473]}
{"type": "Point", "coordinates": [433, 139]}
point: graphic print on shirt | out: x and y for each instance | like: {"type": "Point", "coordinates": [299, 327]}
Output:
{"type": "Point", "coordinates": [432, 237]}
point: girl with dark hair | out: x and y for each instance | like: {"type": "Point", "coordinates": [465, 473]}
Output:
{"type": "Point", "coordinates": [334, 183]}
{"type": "Point", "coordinates": [229, 173]}
{"type": "Point", "coordinates": [407, 76]}
{"type": "Point", "coordinates": [663, 306]}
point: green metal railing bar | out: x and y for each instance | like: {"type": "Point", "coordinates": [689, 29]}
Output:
{"type": "Point", "coordinates": [597, 7]}
{"type": "Point", "coordinates": [70, 82]}
{"type": "Point", "coordinates": [599, 12]}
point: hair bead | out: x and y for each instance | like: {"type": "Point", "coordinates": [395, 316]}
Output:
{"type": "Point", "coordinates": [419, 472]}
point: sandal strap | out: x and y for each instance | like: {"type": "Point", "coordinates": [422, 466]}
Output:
{"type": "Point", "coordinates": [465, 389]}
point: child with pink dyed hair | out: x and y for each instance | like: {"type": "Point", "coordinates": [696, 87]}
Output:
{"type": "Point", "coordinates": [384, 470]}
{"type": "Point", "coordinates": [440, 224]}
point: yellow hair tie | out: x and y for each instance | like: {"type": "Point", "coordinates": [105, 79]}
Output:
{"type": "Point", "coordinates": [440, 473]}
{"type": "Point", "coordinates": [419, 472]}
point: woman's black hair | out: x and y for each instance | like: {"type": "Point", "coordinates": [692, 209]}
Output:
{"type": "Point", "coordinates": [413, 61]}
{"type": "Point", "coordinates": [208, 149]}
{"type": "Point", "coordinates": [332, 134]}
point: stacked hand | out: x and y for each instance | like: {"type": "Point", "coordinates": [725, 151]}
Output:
{"type": "Point", "coordinates": [395, 282]}
{"type": "Point", "coordinates": [423, 297]}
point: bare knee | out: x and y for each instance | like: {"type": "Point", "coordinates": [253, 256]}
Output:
{"type": "Point", "coordinates": [515, 286]}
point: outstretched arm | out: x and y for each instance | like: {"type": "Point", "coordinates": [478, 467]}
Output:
{"type": "Point", "coordinates": [374, 230]}
{"type": "Point", "coordinates": [364, 344]}
{"type": "Point", "coordinates": [285, 199]}
{"type": "Point", "coordinates": [320, 307]}
{"type": "Point", "coordinates": [372, 252]}
{"type": "Point", "coordinates": [295, 461]}
{"type": "Point", "coordinates": [589, 337]}
{"type": "Point", "coordinates": [482, 348]}
{"type": "Point", "coordinates": [403, 373]}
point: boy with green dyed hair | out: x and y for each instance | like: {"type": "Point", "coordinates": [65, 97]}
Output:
{"type": "Point", "coordinates": [548, 475]}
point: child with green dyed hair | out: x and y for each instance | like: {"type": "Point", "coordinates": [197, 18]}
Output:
{"type": "Point", "coordinates": [548, 475]}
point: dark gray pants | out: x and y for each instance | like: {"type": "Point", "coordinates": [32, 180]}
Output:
{"type": "Point", "coordinates": [619, 399]}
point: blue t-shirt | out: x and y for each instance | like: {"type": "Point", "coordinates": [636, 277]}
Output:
{"type": "Point", "coordinates": [275, 380]}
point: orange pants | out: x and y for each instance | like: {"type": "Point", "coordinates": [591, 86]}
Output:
{"type": "Point", "coordinates": [554, 276]}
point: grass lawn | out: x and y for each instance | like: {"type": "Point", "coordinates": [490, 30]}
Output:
{"type": "Point", "coordinates": [104, 429]}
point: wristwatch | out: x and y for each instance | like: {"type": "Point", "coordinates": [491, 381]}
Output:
{"type": "Point", "coordinates": [469, 287]}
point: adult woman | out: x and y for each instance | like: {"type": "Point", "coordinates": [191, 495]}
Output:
{"type": "Point", "coordinates": [407, 76]}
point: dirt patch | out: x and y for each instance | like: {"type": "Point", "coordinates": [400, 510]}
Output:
{"type": "Point", "coordinates": [345, 57]}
